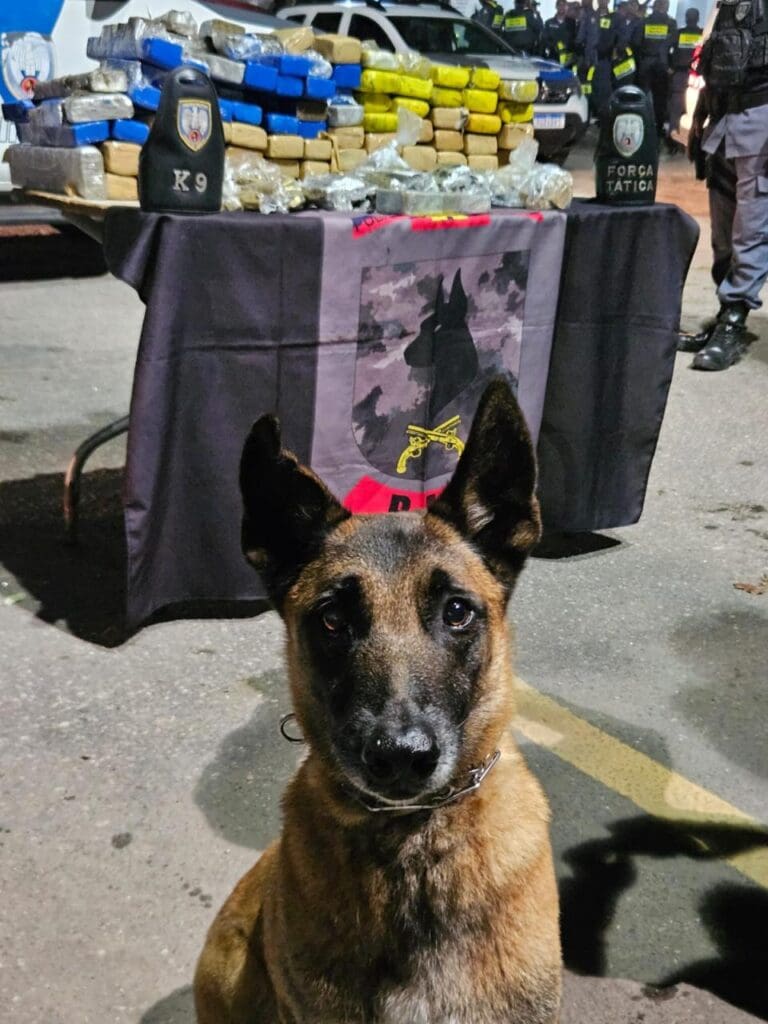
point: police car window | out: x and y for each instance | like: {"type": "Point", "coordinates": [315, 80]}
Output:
{"type": "Point", "coordinates": [326, 21]}
{"type": "Point", "coordinates": [446, 35]}
{"type": "Point", "coordinates": [362, 27]}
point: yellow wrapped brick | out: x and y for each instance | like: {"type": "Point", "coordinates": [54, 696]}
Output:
{"type": "Point", "coordinates": [448, 140]}
{"type": "Point", "coordinates": [450, 118]}
{"type": "Point", "coordinates": [511, 135]}
{"type": "Point", "coordinates": [375, 140]}
{"type": "Point", "coordinates": [446, 97]}
{"type": "Point", "coordinates": [248, 136]}
{"type": "Point", "coordinates": [350, 159]}
{"type": "Point", "coordinates": [419, 88]}
{"type": "Point", "coordinates": [288, 168]}
{"type": "Point", "coordinates": [418, 107]}
{"type": "Point", "coordinates": [480, 101]}
{"type": "Point", "coordinates": [310, 167]}
{"type": "Point", "coordinates": [285, 147]}
{"type": "Point", "coordinates": [420, 158]}
{"type": "Point", "coordinates": [427, 132]}
{"type": "Point", "coordinates": [375, 102]}
{"type": "Point", "coordinates": [122, 158]}
{"type": "Point", "coordinates": [484, 78]}
{"type": "Point", "coordinates": [449, 159]}
{"type": "Point", "coordinates": [380, 122]}
{"type": "Point", "coordinates": [450, 77]}
{"type": "Point", "coordinates": [317, 149]}
{"type": "Point", "coordinates": [483, 124]}
{"type": "Point", "coordinates": [480, 145]}
{"type": "Point", "coordinates": [478, 162]}
{"type": "Point", "coordinates": [515, 113]}
{"type": "Point", "coordinates": [519, 92]}
{"type": "Point", "coordinates": [380, 81]}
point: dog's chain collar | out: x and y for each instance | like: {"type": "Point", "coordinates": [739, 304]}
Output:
{"type": "Point", "coordinates": [445, 796]}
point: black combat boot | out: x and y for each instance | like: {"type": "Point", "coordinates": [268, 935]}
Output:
{"type": "Point", "coordinates": [728, 340]}
{"type": "Point", "coordinates": [687, 342]}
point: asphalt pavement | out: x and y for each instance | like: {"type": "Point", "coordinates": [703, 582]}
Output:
{"type": "Point", "coordinates": [140, 775]}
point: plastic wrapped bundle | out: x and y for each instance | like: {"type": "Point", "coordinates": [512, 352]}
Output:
{"type": "Point", "coordinates": [415, 64]}
{"type": "Point", "coordinates": [523, 182]}
{"type": "Point", "coordinates": [447, 76]}
{"type": "Point", "coordinates": [69, 135]}
{"type": "Point", "coordinates": [133, 70]}
{"type": "Point", "coordinates": [344, 113]}
{"type": "Point", "coordinates": [125, 41]}
{"type": "Point", "coordinates": [379, 60]}
{"type": "Point", "coordinates": [519, 92]}
{"type": "Point", "coordinates": [62, 171]}
{"type": "Point", "coordinates": [338, 192]}
{"type": "Point", "coordinates": [218, 26]}
{"type": "Point", "coordinates": [222, 69]}
{"type": "Point", "coordinates": [319, 67]}
{"type": "Point", "coordinates": [253, 183]}
{"type": "Point", "coordinates": [103, 79]}
{"type": "Point", "coordinates": [245, 46]}
{"type": "Point", "coordinates": [181, 23]}
{"type": "Point", "coordinates": [84, 106]}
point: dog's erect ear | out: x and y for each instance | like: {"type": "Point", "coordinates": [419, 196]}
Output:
{"type": "Point", "coordinates": [288, 511]}
{"type": "Point", "coordinates": [491, 499]}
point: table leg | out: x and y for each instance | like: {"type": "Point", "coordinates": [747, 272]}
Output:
{"type": "Point", "coordinates": [71, 497]}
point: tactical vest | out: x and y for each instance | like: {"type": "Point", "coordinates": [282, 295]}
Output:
{"type": "Point", "coordinates": [519, 29]}
{"type": "Point", "coordinates": [687, 41]}
{"type": "Point", "coordinates": [738, 44]}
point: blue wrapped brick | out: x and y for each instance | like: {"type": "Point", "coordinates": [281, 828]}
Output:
{"type": "Point", "coordinates": [282, 124]}
{"type": "Point", "coordinates": [311, 129]}
{"type": "Point", "coordinates": [162, 53]}
{"type": "Point", "coordinates": [130, 131]}
{"type": "Point", "coordinates": [247, 113]}
{"type": "Point", "coordinates": [145, 96]}
{"type": "Point", "coordinates": [68, 136]}
{"type": "Point", "coordinates": [259, 76]}
{"type": "Point", "coordinates": [319, 88]}
{"type": "Point", "coordinates": [286, 86]}
{"type": "Point", "coordinates": [227, 108]}
{"type": "Point", "coordinates": [347, 76]}
{"type": "Point", "coordinates": [290, 64]}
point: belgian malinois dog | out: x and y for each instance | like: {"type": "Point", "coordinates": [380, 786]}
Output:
{"type": "Point", "coordinates": [413, 880]}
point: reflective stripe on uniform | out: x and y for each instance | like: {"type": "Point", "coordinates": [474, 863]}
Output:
{"type": "Point", "coordinates": [516, 24]}
{"type": "Point", "coordinates": [605, 23]}
{"type": "Point", "coordinates": [688, 40]}
{"type": "Point", "coordinates": [656, 31]}
{"type": "Point", "coordinates": [627, 67]}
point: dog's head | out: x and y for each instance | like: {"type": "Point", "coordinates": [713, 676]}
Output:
{"type": "Point", "coordinates": [397, 641]}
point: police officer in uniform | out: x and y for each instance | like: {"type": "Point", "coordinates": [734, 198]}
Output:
{"type": "Point", "coordinates": [520, 30]}
{"type": "Point", "coordinates": [606, 44]}
{"type": "Point", "coordinates": [623, 65]}
{"type": "Point", "coordinates": [491, 14]}
{"type": "Point", "coordinates": [559, 36]}
{"type": "Point", "coordinates": [735, 140]}
{"type": "Point", "coordinates": [682, 55]}
{"type": "Point", "coordinates": [653, 40]}
{"type": "Point", "coordinates": [586, 49]}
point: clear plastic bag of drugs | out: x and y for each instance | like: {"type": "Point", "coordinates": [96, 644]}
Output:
{"type": "Point", "coordinates": [378, 60]}
{"type": "Point", "coordinates": [338, 191]}
{"type": "Point", "coordinates": [321, 68]}
{"type": "Point", "coordinates": [253, 183]}
{"type": "Point", "coordinates": [415, 64]}
{"type": "Point", "coordinates": [246, 46]}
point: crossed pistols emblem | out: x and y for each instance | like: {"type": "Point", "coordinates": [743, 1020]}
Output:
{"type": "Point", "coordinates": [419, 438]}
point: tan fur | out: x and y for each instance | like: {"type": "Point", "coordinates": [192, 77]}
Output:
{"type": "Point", "coordinates": [306, 936]}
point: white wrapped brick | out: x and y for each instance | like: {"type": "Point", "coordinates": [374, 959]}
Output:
{"type": "Point", "coordinates": [225, 70]}
{"type": "Point", "coordinates": [103, 79]}
{"type": "Point", "coordinates": [63, 171]}
{"type": "Point", "coordinates": [85, 106]}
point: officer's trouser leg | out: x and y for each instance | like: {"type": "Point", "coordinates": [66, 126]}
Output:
{"type": "Point", "coordinates": [660, 94]}
{"type": "Point", "coordinates": [749, 261]}
{"type": "Point", "coordinates": [677, 99]}
{"type": "Point", "coordinates": [721, 186]}
{"type": "Point", "coordinates": [601, 87]}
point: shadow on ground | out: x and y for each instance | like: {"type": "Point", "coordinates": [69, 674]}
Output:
{"type": "Point", "coordinates": [38, 252]}
{"type": "Point", "coordinates": [733, 915]}
{"type": "Point", "coordinates": [177, 1008]}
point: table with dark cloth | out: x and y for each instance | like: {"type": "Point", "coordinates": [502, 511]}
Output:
{"type": "Point", "coordinates": [372, 339]}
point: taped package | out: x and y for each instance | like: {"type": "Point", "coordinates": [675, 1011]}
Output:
{"type": "Point", "coordinates": [482, 162]}
{"type": "Point", "coordinates": [245, 45]}
{"type": "Point", "coordinates": [480, 145]}
{"type": "Point", "coordinates": [285, 147]}
{"type": "Point", "coordinates": [376, 102]}
{"type": "Point", "coordinates": [308, 168]}
{"type": "Point", "coordinates": [65, 135]}
{"type": "Point", "coordinates": [450, 77]}
{"type": "Point", "coordinates": [418, 88]}
{"type": "Point", "coordinates": [483, 124]}
{"type": "Point", "coordinates": [373, 122]}
{"type": "Point", "coordinates": [351, 137]}
{"type": "Point", "coordinates": [103, 79]}
{"type": "Point", "coordinates": [339, 49]}
{"type": "Point", "coordinates": [253, 183]}
{"type": "Point", "coordinates": [511, 135]}
{"type": "Point", "coordinates": [446, 97]}
{"type": "Point", "coordinates": [62, 171]}
{"type": "Point", "coordinates": [450, 118]}
{"type": "Point", "coordinates": [519, 92]}
{"type": "Point", "coordinates": [375, 140]}
{"type": "Point", "coordinates": [446, 140]}
{"type": "Point", "coordinates": [350, 159]}
{"type": "Point", "coordinates": [126, 40]}
{"type": "Point", "coordinates": [379, 60]}
{"type": "Point", "coordinates": [344, 114]}
{"type": "Point", "coordinates": [121, 158]}
{"type": "Point", "coordinates": [418, 107]}
{"type": "Point", "coordinates": [515, 113]}
{"type": "Point", "coordinates": [318, 149]}
{"type": "Point", "coordinates": [480, 101]}
{"type": "Point", "coordinates": [450, 159]}
{"type": "Point", "coordinates": [420, 158]}
{"type": "Point", "coordinates": [374, 80]}
{"type": "Point", "coordinates": [222, 69]}
{"type": "Point", "coordinates": [296, 40]}
{"type": "Point", "coordinates": [426, 131]}
{"type": "Point", "coordinates": [485, 78]}
{"type": "Point", "coordinates": [246, 136]}
{"type": "Point", "coordinates": [121, 188]}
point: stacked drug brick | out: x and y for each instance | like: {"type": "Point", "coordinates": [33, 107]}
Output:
{"type": "Point", "coordinates": [277, 93]}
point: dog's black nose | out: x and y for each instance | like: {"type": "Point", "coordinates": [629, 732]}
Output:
{"type": "Point", "coordinates": [407, 757]}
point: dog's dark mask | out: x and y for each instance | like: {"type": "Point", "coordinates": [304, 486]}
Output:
{"type": "Point", "coordinates": [396, 622]}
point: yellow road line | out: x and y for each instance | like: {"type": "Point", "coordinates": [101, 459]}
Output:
{"type": "Point", "coordinates": [648, 784]}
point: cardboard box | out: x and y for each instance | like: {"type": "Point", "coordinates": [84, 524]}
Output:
{"type": "Point", "coordinates": [121, 188]}
{"type": "Point", "coordinates": [420, 158]}
{"type": "Point", "coordinates": [317, 149]}
{"type": "Point", "coordinates": [121, 158]}
{"type": "Point", "coordinates": [375, 140]}
{"type": "Point", "coordinates": [285, 147]}
{"type": "Point", "coordinates": [511, 135]}
{"type": "Point", "coordinates": [289, 168]}
{"type": "Point", "coordinates": [447, 141]}
{"type": "Point", "coordinates": [449, 118]}
{"type": "Point", "coordinates": [479, 162]}
{"type": "Point", "coordinates": [350, 159]}
{"type": "Point", "coordinates": [448, 159]}
{"type": "Point", "coordinates": [480, 145]}
{"type": "Point", "coordinates": [248, 136]}
{"type": "Point", "coordinates": [310, 167]}
{"type": "Point", "coordinates": [338, 49]}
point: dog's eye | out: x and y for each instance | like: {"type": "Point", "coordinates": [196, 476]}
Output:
{"type": "Point", "coordinates": [457, 613]}
{"type": "Point", "coordinates": [332, 620]}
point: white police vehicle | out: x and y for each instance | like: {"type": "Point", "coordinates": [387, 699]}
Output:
{"type": "Point", "coordinates": [438, 31]}
{"type": "Point", "coordinates": [40, 39]}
